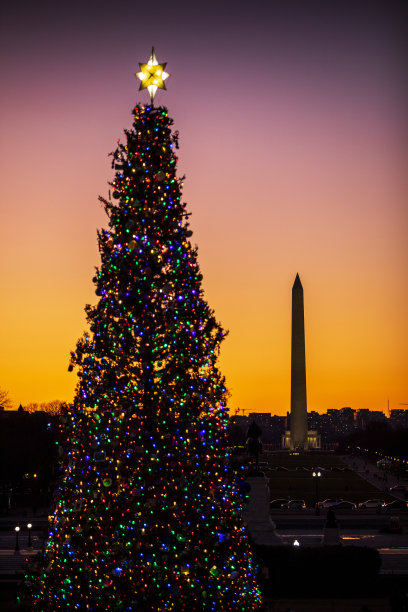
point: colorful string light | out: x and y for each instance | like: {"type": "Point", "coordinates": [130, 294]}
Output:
{"type": "Point", "coordinates": [149, 516]}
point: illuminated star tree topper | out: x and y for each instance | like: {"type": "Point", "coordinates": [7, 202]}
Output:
{"type": "Point", "coordinates": [152, 75]}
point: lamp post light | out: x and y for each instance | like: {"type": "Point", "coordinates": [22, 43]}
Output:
{"type": "Point", "coordinates": [17, 530]}
{"type": "Point", "coordinates": [316, 475]}
{"type": "Point", "coordinates": [29, 527]}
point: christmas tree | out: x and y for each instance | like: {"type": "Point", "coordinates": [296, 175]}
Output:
{"type": "Point", "coordinates": [148, 515]}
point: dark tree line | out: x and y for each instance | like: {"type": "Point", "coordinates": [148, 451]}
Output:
{"type": "Point", "coordinates": [379, 437]}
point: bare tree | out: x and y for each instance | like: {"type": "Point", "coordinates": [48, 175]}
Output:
{"type": "Point", "coordinates": [52, 408]}
{"type": "Point", "coordinates": [32, 407]}
{"type": "Point", "coordinates": [5, 401]}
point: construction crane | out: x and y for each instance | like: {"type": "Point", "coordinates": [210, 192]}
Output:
{"type": "Point", "coordinates": [242, 411]}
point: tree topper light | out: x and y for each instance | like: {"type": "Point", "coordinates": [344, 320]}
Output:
{"type": "Point", "coordinates": [152, 75]}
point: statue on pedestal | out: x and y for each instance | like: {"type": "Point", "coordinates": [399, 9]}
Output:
{"type": "Point", "coordinates": [254, 445]}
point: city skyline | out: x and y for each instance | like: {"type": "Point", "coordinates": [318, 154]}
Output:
{"type": "Point", "coordinates": [294, 161]}
{"type": "Point", "coordinates": [392, 412]}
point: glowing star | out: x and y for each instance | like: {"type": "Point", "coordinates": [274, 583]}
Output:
{"type": "Point", "coordinates": [152, 75]}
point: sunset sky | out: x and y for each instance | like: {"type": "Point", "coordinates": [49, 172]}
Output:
{"type": "Point", "coordinates": [293, 140]}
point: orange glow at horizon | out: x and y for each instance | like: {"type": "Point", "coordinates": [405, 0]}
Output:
{"type": "Point", "coordinates": [306, 175]}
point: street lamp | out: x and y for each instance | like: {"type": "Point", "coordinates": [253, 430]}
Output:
{"type": "Point", "coordinates": [17, 530]}
{"type": "Point", "coordinates": [29, 526]}
{"type": "Point", "coordinates": [316, 475]}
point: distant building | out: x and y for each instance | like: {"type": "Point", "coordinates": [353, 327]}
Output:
{"type": "Point", "coordinates": [313, 420]}
{"type": "Point", "coordinates": [272, 426]}
{"type": "Point", "coordinates": [331, 425]}
{"type": "Point", "coordinates": [399, 419]}
{"type": "Point", "coordinates": [364, 417]}
{"type": "Point", "coordinates": [241, 421]}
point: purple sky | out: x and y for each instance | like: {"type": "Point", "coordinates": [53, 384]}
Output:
{"type": "Point", "coordinates": [293, 139]}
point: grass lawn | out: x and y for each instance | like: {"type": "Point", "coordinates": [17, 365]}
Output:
{"type": "Point", "coordinates": [294, 484]}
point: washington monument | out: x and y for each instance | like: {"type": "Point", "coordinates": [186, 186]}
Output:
{"type": "Point", "coordinates": [298, 402]}
{"type": "Point", "coordinates": [298, 438]}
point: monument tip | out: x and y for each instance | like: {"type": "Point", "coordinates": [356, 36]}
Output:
{"type": "Point", "coordinates": [297, 282]}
